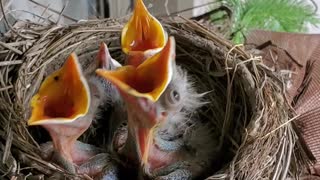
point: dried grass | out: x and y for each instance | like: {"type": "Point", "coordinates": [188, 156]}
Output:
{"type": "Point", "coordinates": [247, 103]}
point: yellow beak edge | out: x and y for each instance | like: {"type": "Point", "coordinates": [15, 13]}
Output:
{"type": "Point", "coordinates": [143, 32]}
{"type": "Point", "coordinates": [63, 96]}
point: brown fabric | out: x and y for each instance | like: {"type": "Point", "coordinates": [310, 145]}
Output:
{"type": "Point", "coordinates": [309, 178]}
{"type": "Point", "coordinates": [296, 53]}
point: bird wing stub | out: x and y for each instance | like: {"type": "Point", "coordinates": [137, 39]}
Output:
{"type": "Point", "coordinates": [63, 96]}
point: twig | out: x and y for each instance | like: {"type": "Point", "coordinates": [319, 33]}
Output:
{"type": "Point", "coordinates": [9, 63]}
{"type": "Point", "coordinates": [52, 10]}
{"type": "Point", "coordinates": [96, 30]}
{"type": "Point", "coordinates": [189, 9]}
{"type": "Point", "coordinates": [10, 47]}
{"type": "Point", "coordinates": [61, 13]}
{"type": "Point", "coordinates": [8, 4]}
{"type": "Point", "coordinates": [8, 145]}
{"type": "Point", "coordinates": [51, 166]}
{"type": "Point", "coordinates": [282, 125]}
{"type": "Point", "coordinates": [44, 11]}
{"type": "Point", "coordinates": [288, 154]}
{"type": "Point", "coordinates": [10, 26]}
{"type": "Point", "coordinates": [19, 43]}
{"type": "Point", "coordinates": [166, 7]}
{"type": "Point", "coordinates": [277, 166]}
{"type": "Point", "coordinates": [36, 15]}
{"type": "Point", "coordinates": [6, 88]}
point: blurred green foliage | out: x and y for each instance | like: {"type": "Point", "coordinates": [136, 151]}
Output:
{"type": "Point", "coordinates": [275, 15]}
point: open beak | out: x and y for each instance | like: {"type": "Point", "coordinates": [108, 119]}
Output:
{"type": "Point", "coordinates": [143, 35]}
{"type": "Point", "coordinates": [149, 79]}
{"type": "Point", "coordinates": [63, 96]}
{"type": "Point", "coordinates": [143, 115]}
{"type": "Point", "coordinates": [140, 88]}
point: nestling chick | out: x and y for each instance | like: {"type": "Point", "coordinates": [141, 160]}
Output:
{"type": "Point", "coordinates": [170, 141]}
{"type": "Point", "coordinates": [106, 96]}
{"type": "Point", "coordinates": [129, 75]}
{"type": "Point", "coordinates": [142, 37]}
{"type": "Point", "coordinates": [65, 106]}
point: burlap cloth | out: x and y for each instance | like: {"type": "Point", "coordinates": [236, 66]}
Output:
{"type": "Point", "coordinates": [296, 56]}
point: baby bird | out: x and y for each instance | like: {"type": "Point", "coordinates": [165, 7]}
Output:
{"type": "Point", "coordinates": [65, 106]}
{"type": "Point", "coordinates": [182, 146]}
{"type": "Point", "coordinates": [171, 142]}
{"type": "Point", "coordinates": [143, 35]}
{"type": "Point", "coordinates": [144, 79]}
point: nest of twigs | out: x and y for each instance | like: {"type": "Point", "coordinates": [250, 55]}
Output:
{"type": "Point", "coordinates": [247, 102]}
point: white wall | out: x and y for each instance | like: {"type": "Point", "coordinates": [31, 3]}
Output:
{"type": "Point", "coordinates": [76, 9]}
{"type": "Point", "coordinates": [313, 29]}
{"type": "Point", "coordinates": [200, 10]}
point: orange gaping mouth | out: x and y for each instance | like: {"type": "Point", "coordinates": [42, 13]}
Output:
{"type": "Point", "coordinates": [59, 107]}
{"type": "Point", "coordinates": [143, 32]}
{"type": "Point", "coordinates": [63, 96]}
{"type": "Point", "coordinates": [149, 79]}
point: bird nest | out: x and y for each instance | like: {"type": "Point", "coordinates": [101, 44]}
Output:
{"type": "Point", "coordinates": [247, 105]}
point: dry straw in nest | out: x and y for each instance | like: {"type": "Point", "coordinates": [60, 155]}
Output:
{"type": "Point", "coordinates": [247, 104]}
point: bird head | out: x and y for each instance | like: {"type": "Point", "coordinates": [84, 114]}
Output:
{"type": "Point", "coordinates": [63, 96]}
{"type": "Point", "coordinates": [100, 89]}
{"type": "Point", "coordinates": [104, 59]}
{"type": "Point", "coordinates": [142, 36]}
{"type": "Point", "coordinates": [140, 88]}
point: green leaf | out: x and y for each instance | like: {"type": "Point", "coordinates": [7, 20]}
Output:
{"type": "Point", "coordinates": [274, 15]}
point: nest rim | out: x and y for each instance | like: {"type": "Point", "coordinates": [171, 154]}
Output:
{"type": "Point", "coordinates": [261, 88]}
